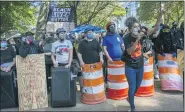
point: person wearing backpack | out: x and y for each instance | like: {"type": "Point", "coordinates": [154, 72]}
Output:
{"type": "Point", "coordinates": [147, 44]}
{"type": "Point", "coordinates": [166, 42]}
{"type": "Point", "coordinates": [148, 49]}
{"type": "Point", "coordinates": [179, 36]}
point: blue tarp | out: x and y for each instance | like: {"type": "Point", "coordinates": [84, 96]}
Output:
{"type": "Point", "coordinates": [82, 28]}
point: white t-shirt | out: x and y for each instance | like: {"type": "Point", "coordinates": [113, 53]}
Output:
{"type": "Point", "coordinates": [61, 49]}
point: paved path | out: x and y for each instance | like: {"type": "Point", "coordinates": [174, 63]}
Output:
{"type": "Point", "coordinates": [161, 101]}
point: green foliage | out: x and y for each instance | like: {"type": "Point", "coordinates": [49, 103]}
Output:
{"type": "Point", "coordinates": [96, 12]}
{"type": "Point", "coordinates": [17, 15]}
{"type": "Point", "coordinates": [148, 12]}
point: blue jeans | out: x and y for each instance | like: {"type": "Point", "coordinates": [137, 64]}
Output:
{"type": "Point", "coordinates": [134, 78]}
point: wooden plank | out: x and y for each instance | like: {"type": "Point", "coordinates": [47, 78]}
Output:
{"type": "Point", "coordinates": [31, 79]}
{"type": "Point", "coordinates": [180, 60]}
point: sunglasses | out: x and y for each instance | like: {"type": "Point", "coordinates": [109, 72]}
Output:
{"type": "Point", "coordinates": [166, 30]}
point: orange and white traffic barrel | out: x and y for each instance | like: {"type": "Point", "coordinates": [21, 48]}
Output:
{"type": "Point", "coordinates": [169, 73]}
{"type": "Point", "coordinates": [117, 82]}
{"type": "Point", "coordinates": [147, 85]}
{"type": "Point", "coordinates": [93, 91]}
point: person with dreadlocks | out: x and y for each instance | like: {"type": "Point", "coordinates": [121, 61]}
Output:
{"type": "Point", "coordinates": [133, 55]}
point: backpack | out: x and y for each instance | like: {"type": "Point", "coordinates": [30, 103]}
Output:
{"type": "Point", "coordinates": [179, 36]}
{"type": "Point", "coordinates": [166, 42]}
{"type": "Point", "coordinates": [147, 44]}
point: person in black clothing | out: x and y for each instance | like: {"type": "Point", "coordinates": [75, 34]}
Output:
{"type": "Point", "coordinates": [89, 50]}
{"type": "Point", "coordinates": [133, 56]}
{"type": "Point", "coordinates": [7, 56]}
{"type": "Point", "coordinates": [29, 46]}
{"type": "Point", "coordinates": [89, 55]}
{"type": "Point", "coordinates": [166, 42]}
{"type": "Point", "coordinates": [121, 33]}
{"type": "Point", "coordinates": [148, 50]}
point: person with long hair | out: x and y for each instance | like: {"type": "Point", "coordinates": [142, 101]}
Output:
{"type": "Point", "coordinates": [133, 56]}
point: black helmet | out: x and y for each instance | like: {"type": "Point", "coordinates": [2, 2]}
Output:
{"type": "Point", "coordinates": [60, 30]}
{"type": "Point", "coordinates": [174, 24]}
{"type": "Point", "coordinates": [29, 33]}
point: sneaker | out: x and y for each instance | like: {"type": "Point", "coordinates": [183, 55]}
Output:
{"type": "Point", "coordinates": [156, 77]}
{"type": "Point", "coordinates": [132, 110]}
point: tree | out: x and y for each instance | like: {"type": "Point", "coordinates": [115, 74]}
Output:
{"type": "Point", "coordinates": [17, 15]}
{"type": "Point", "coordinates": [42, 20]}
{"type": "Point", "coordinates": [96, 13]}
{"type": "Point", "coordinates": [148, 12]}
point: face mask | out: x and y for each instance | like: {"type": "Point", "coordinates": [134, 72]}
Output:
{"type": "Point", "coordinates": [62, 37]}
{"type": "Point", "coordinates": [3, 44]}
{"type": "Point", "coordinates": [29, 41]}
{"type": "Point", "coordinates": [112, 29]}
{"type": "Point", "coordinates": [135, 31]}
{"type": "Point", "coordinates": [90, 36]}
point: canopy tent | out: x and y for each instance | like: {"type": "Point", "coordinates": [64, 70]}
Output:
{"type": "Point", "coordinates": [11, 34]}
{"type": "Point", "coordinates": [81, 28]}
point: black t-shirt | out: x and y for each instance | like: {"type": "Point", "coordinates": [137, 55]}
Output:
{"type": "Point", "coordinates": [90, 51]}
{"type": "Point", "coordinates": [136, 59]}
{"type": "Point", "coordinates": [7, 55]}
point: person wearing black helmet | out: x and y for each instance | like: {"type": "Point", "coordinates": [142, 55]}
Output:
{"type": "Point", "coordinates": [62, 50]}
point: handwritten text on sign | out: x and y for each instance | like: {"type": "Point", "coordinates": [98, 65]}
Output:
{"type": "Point", "coordinates": [31, 78]}
{"type": "Point", "coordinates": [60, 14]}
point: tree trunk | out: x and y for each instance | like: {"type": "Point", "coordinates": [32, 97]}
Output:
{"type": "Point", "coordinates": [42, 20]}
{"type": "Point", "coordinates": [75, 12]}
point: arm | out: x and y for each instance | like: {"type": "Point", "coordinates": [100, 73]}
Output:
{"type": "Point", "coordinates": [106, 53]}
{"type": "Point", "coordinates": [9, 67]}
{"type": "Point", "coordinates": [99, 49]}
{"type": "Point", "coordinates": [132, 48]}
{"type": "Point", "coordinates": [147, 53]}
{"type": "Point", "coordinates": [53, 56]}
{"type": "Point", "coordinates": [70, 56]}
{"type": "Point", "coordinates": [101, 55]}
{"type": "Point", "coordinates": [23, 50]}
{"type": "Point", "coordinates": [12, 64]}
{"type": "Point", "coordinates": [13, 54]}
{"type": "Point", "coordinates": [104, 45]}
{"type": "Point", "coordinates": [122, 44]}
{"type": "Point", "coordinates": [80, 57]}
{"type": "Point", "coordinates": [156, 27]}
{"type": "Point", "coordinates": [79, 54]}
